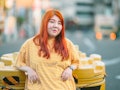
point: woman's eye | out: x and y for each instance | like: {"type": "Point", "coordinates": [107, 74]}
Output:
{"type": "Point", "coordinates": [59, 23]}
{"type": "Point", "coordinates": [51, 21]}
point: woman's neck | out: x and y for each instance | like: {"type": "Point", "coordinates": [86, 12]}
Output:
{"type": "Point", "coordinates": [51, 38]}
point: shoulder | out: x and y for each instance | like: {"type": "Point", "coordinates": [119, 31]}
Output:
{"type": "Point", "coordinates": [69, 42]}
{"type": "Point", "coordinates": [71, 45]}
{"type": "Point", "coordinates": [28, 42]}
{"type": "Point", "coordinates": [26, 45]}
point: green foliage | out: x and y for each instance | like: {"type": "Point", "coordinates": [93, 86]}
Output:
{"type": "Point", "coordinates": [20, 20]}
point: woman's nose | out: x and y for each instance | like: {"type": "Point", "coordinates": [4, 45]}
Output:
{"type": "Point", "coordinates": [55, 24]}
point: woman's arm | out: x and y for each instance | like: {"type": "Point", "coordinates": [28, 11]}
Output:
{"type": "Point", "coordinates": [73, 52]}
{"type": "Point", "coordinates": [67, 73]}
{"type": "Point", "coordinates": [32, 75]}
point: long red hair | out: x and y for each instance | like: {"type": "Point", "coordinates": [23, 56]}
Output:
{"type": "Point", "coordinates": [42, 38]}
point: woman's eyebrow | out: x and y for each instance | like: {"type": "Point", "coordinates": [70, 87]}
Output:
{"type": "Point", "coordinates": [51, 19]}
{"type": "Point", "coordinates": [54, 20]}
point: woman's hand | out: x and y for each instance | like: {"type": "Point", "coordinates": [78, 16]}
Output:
{"type": "Point", "coordinates": [32, 76]}
{"type": "Point", "coordinates": [67, 73]}
{"type": "Point", "coordinates": [31, 73]}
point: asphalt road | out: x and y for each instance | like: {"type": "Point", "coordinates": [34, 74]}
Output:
{"type": "Point", "coordinates": [108, 49]}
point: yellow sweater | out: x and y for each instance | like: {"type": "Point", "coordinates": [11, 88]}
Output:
{"type": "Point", "coordinates": [49, 70]}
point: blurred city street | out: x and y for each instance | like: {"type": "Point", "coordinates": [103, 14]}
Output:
{"type": "Point", "coordinates": [93, 25]}
{"type": "Point", "coordinates": [108, 49]}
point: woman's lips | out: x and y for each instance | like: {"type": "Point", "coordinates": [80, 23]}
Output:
{"type": "Point", "coordinates": [54, 31]}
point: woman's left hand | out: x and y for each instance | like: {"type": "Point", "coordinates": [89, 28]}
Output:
{"type": "Point", "coordinates": [67, 73]}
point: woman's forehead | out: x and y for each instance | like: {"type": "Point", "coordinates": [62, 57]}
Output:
{"type": "Point", "coordinates": [55, 17]}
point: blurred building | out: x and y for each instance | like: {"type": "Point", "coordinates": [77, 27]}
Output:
{"type": "Point", "coordinates": [78, 14]}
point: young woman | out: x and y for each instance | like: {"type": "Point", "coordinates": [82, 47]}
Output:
{"type": "Point", "coordinates": [49, 57]}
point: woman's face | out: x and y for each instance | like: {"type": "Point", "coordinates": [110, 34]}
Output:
{"type": "Point", "coordinates": [54, 26]}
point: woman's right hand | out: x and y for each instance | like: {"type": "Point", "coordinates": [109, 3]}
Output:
{"type": "Point", "coordinates": [32, 76]}
{"type": "Point", "coordinates": [31, 73]}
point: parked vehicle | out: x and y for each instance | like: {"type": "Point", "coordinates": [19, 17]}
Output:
{"type": "Point", "coordinates": [105, 27]}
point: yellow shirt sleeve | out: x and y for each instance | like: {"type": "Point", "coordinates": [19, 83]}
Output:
{"type": "Point", "coordinates": [73, 52]}
{"type": "Point", "coordinates": [22, 58]}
